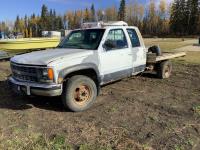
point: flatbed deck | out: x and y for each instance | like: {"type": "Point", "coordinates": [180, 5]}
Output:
{"type": "Point", "coordinates": [152, 58]}
{"type": "Point", "coordinates": [167, 56]}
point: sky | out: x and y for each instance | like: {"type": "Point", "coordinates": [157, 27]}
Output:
{"type": "Point", "coordinates": [9, 9]}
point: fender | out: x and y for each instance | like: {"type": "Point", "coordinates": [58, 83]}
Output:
{"type": "Point", "coordinates": [66, 71]}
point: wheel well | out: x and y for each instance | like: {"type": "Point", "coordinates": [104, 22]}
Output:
{"type": "Point", "coordinates": [91, 73]}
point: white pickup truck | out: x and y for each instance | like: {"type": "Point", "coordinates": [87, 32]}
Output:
{"type": "Point", "coordinates": [84, 61]}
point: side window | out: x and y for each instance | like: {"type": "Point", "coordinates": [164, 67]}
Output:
{"type": "Point", "coordinates": [133, 37]}
{"type": "Point", "coordinates": [116, 39]}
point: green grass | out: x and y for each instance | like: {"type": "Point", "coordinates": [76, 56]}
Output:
{"type": "Point", "coordinates": [38, 141]}
{"type": "Point", "coordinates": [93, 147]}
{"type": "Point", "coordinates": [35, 141]}
{"type": "Point", "coordinates": [113, 109]}
{"type": "Point", "coordinates": [190, 142]}
{"type": "Point", "coordinates": [146, 147]}
{"type": "Point", "coordinates": [196, 109]}
{"type": "Point", "coordinates": [179, 147]}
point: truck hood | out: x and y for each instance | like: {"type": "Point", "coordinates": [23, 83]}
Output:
{"type": "Point", "coordinates": [48, 56]}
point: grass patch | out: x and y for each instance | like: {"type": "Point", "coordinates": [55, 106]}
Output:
{"type": "Point", "coordinates": [146, 147]}
{"type": "Point", "coordinates": [179, 147]}
{"type": "Point", "coordinates": [112, 109]}
{"type": "Point", "coordinates": [190, 58]}
{"type": "Point", "coordinates": [196, 109]}
{"type": "Point", "coordinates": [169, 44]}
{"type": "Point", "coordinates": [190, 142]}
{"type": "Point", "coordinates": [92, 147]}
{"type": "Point", "coordinates": [36, 141]}
{"type": "Point", "coordinates": [58, 143]}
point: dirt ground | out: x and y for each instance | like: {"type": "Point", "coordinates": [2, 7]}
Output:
{"type": "Point", "coordinates": [141, 113]}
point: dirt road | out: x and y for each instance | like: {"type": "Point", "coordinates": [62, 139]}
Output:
{"type": "Point", "coordinates": [137, 113]}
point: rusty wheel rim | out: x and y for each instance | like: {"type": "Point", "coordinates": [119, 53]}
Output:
{"type": "Point", "coordinates": [82, 94]}
{"type": "Point", "coordinates": [167, 72]}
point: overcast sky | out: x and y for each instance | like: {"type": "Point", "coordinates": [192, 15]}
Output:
{"type": "Point", "coordinates": [11, 8]}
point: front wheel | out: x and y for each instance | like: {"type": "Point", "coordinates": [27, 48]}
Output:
{"type": "Point", "coordinates": [164, 69]}
{"type": "Point", "coordinates": [79, 93]}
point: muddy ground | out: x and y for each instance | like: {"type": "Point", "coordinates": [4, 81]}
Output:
{"type": "Point", "coordinates": [137, 113]}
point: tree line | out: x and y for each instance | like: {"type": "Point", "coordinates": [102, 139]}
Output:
{"type": "Point", "coordinates": [34, 25]}
{"type": "Point", "coordinates": [185, 17]}
{"type": "Point", "coordinates": [182, 17]}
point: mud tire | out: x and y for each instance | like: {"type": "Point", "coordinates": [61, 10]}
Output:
{"type": "Point", "coordinates": [164, 70]}
{"type": "Point", "coordinates": [79, 93]}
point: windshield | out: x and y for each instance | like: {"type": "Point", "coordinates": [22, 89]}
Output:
{"type": "Point", "coordinates": [83, 39]}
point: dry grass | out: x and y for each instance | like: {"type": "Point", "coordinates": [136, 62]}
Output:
{"type": "Point", "coordinates": [169, 44]}
{"type": "Point", "coordinates": [191, 58]}
{"type": "Point", "coordinates": [173, 43]}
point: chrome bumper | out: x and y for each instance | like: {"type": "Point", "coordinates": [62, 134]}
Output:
{"type": "Point", "coordinates": [35, 88]}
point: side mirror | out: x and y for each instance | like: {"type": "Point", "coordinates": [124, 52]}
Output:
{"type": "Point", "coordinates": [104, 46]}
{"type": "Point", "coordinates": [108, 45]}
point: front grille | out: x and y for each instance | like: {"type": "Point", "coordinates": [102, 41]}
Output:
{"type": "Point", "coordinates": [24, 73]}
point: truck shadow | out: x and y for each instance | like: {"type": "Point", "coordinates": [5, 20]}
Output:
{"type": "Point", "coordinates": [10, 100]}
{"type": "Point", "coordinates": [148, 75]}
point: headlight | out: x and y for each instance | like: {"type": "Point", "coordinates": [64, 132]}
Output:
{"type": "Point", "coordinates": [46, 75]}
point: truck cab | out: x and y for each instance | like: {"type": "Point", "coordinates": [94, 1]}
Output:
{"type": "Point", "coordinates": [121, 53]}
{"type": "Point", "coordinates": [84, 61]}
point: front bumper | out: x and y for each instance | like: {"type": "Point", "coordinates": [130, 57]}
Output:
{"type": "Point", "coordinates": [35, 88]}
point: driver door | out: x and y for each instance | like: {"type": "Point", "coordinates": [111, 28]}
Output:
{"type": "Point", "coordinates": [116, 58]}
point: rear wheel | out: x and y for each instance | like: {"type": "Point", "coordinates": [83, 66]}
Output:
{"type": "Point", "coordinates": [164, 70]}
{"type": "Point", "coordinates": [80, 93]}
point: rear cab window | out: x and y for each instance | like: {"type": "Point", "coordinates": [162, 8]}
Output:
{"type": "Point", "coordinates": [134, 38]}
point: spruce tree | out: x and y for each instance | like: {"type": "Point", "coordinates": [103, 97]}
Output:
{"type": "Point", "coordinates": [51, 20]}
{"type": "Point", "coordinates": [122, 10]}
{"type": "Point", "coordinates": [44, 12]}
{"type": "Point", "coordinates": [93, 15]}
{"type": "Point", "coordinates": [17, 22]}
{"type": "Point", "coordinates": [44, 20]}
{"type": "Point", "coordinates": [54, 20]}
{"type": "Point", "coordinates": [178, 21]}
{"type": "Point", "coordinates": [192, 16]}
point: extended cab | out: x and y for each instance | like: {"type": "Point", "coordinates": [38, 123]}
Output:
{"type": "Point", "coordinates": [84, 61]}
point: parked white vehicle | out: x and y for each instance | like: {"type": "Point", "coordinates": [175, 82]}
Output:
{"type": "Point", "coordinates": [84, 61]}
